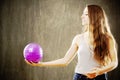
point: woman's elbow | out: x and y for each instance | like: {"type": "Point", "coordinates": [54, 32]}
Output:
{"type": "Point", "coordinates": [65, 62]}
{"type": "Point", "coordinates": [64, 65]}
{"type": "Point", "coordinates": [115, 64]}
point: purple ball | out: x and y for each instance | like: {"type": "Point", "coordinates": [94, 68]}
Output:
{"type": "Point", "coordinates": [33, 52]}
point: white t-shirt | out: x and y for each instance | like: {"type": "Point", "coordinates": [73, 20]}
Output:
{"type": "Point", "coordinates": [86, 62]}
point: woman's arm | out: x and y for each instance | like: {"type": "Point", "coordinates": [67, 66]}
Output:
{"type": "Point", "coordinates": [109, 67]}
{"type": "Point", "coordinates": [63, 61]}
{"type": "Point", "coordinates": [113, 54]}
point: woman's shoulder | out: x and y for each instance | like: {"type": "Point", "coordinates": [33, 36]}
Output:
{"type": "Point", "coordinates": [78, 37]}
{"type": "Point", "coordinates": [108, 36]}
{"type": "Point", "coordinates": [111, 38]}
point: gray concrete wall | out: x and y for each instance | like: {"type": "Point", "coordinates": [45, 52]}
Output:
{"type": "Point", "coordinates": [51, 23]}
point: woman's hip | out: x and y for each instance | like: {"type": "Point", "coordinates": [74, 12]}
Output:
{"type": "Point", "coordinates": [78, 76]}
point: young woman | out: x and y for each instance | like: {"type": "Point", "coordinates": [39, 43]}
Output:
{"type": "Point", "coordinates": [95, 47]}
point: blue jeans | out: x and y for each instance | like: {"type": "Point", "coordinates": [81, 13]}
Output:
{"type": "Point", "coordinates": [78, 76]}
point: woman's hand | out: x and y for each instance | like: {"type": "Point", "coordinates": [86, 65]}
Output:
{"type": "Point", "coordinates": [92, 74]}
{"type": "Point", "coordinates": [33, 64]}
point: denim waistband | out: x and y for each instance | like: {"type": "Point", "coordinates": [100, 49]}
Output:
{"type": "Point", "coordinates": [99, 77]}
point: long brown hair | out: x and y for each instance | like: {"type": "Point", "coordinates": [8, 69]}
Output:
{"type": "Point", "coordinates": [101, 34]}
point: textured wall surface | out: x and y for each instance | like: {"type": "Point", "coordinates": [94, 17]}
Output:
{"type": "Point", "coordinates": [51, 23]}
